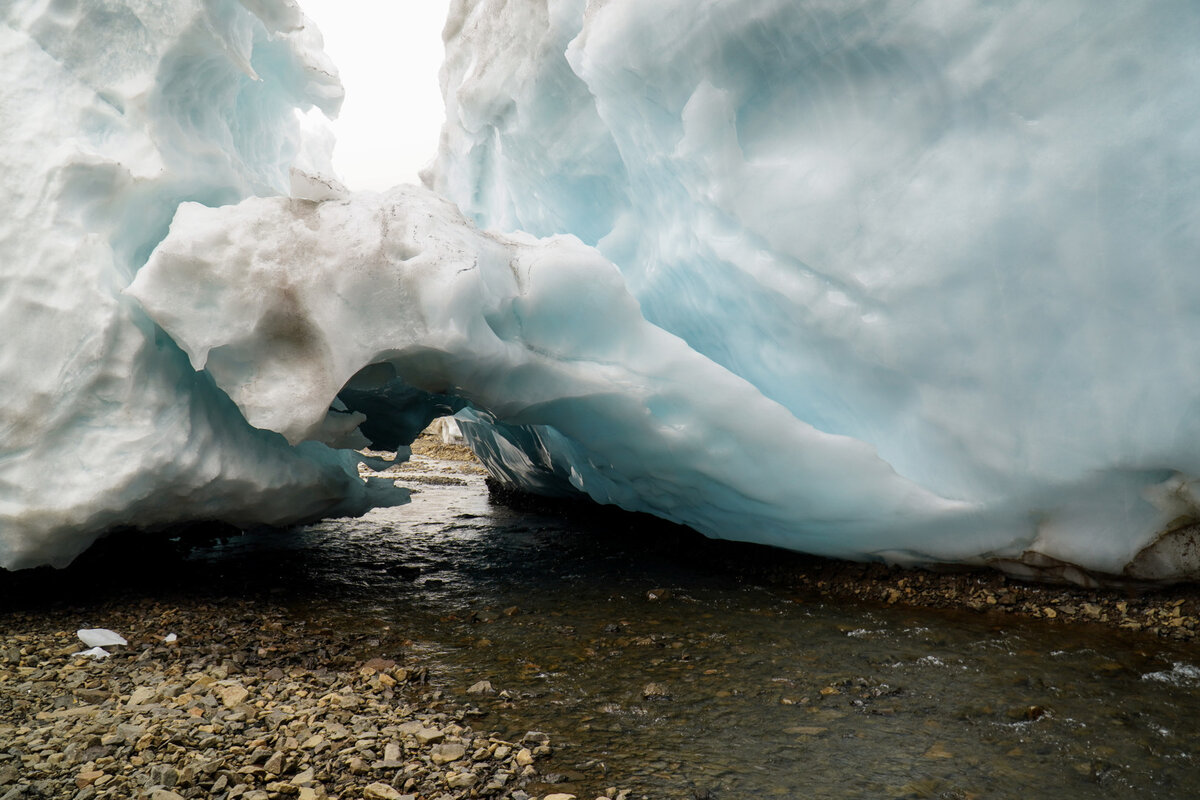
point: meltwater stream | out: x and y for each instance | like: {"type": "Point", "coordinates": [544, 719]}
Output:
{"type": "Point", "coordinates": [662, 663]}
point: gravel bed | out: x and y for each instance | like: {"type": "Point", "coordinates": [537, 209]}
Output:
{"type": "Point", "coordinates": [240, 705]}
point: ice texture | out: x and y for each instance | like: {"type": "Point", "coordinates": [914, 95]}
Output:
{"type": "Point", "coordinates": [963, 234]}
{"type": "Point", "coordinates": [112, 114]}
{"type": "Point", "coordinates": [289, 301]}
{"type": "Point", "coordinates": [912, 282]}
{"type": "Point", "coordinates": [100, 637]}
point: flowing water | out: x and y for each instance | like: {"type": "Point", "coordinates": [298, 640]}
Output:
{"type": "Point", "coordinates": [660, 662]}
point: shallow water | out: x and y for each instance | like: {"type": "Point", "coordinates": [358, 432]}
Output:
{"type": "Point", "coordinates": [661, 663]}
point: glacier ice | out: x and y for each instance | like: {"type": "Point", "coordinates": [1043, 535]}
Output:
{"type": "Point", "coordinates": [963, 234]}
{"type": "Point", "coordinates": [528, 332]}
{"type": "Point", "coordinates": [908, 282]}
{"type": "Point", "coordinates": [113, 113]}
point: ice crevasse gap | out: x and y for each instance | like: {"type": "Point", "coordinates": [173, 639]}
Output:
{"type": "Point", "coordinates": [867, 280]}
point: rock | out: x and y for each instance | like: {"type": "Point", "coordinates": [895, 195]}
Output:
{"type": "Point", "coordinates": [524, 757]}
{"type": "Point", "coordinates": [659, 594]}
{"type": "Point", "coordinates": [165, 794]}
{"type": "Point", "coordinates": [274, 764]}
{"type": "Point", "coordinates": [392, 752]}
{"type": "Point", "coordinates": [142, 694]}
{"type": "Point", "coordinates": [445, 753]}
{"type": "Point", "coordinates": [378, 665]}
{"type": "Point", "coordinates": [131, 733]}
{"type": "Point", "coordinates": [656, 691]}
{"type": "Point", "coordinates": [164, 775]}
{"type": "Point", "coordinates": [483, 687]}
{"type": "Point", "coordinates": [232, 694]}
{"type": "Point", "coordinates": [380, 791]}
{"type": "Point", "coordinates": [427, 736]}
{"type": "Point", "coordinates": [559, 797]}
{"type": "Point", "coordinates": [461, 780]}
{"type": "Point", "coordinates": [88, 777]}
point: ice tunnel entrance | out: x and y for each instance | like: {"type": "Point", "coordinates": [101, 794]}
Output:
{"type": "Point", "coordinates": [393, 412]}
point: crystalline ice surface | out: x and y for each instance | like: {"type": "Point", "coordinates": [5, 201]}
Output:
{"type": "Point", "coordinates": [112, 114]}
{"type": "Point", "coordinates": [964, 235]}
{"type": "Point", "coordinates": [100, 637]}
{"type": "Point", "coordinates": [912, 282]}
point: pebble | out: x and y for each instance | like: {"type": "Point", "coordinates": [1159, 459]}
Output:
{"type": "Point", "coordinates": [209, 716]}
{"type": "Point", "coordinates": [445, 753]}
{"type": "Point", "coordinates": [380, 791]}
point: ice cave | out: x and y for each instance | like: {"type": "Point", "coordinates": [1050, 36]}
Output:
{"type": "Point", "coordinates": [913, 282]}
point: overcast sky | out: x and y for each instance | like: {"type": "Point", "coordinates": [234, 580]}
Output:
{"type": "Point", "coordinates": [388, 53]}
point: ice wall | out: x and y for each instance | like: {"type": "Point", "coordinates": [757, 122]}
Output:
{"type": "Point", "coordinates": [112, 114]}
{"type": "Point", "coordinates": [887, 281]}
{"type": "Point", "coordinates": [962, 233]}
{"type": "Point", "coordinates": [302, 298]}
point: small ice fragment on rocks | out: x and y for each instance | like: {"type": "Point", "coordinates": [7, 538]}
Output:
{"type": "Point", "coordinates": [100, 637]}
{"type": "Point", "coordinates": [95, 652]}
{"type": "Point", "coordinates": [170, 637]}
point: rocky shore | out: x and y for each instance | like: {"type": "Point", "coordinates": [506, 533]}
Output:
{"type": "Point", "coordinates": [1171, 612]}
{"type": "Point", "coordinates": [254, 698]}
{"type": "Point", "coordinates": [239, 704]}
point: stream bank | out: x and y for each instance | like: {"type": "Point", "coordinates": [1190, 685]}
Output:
{"type": "Point", "coordinates": [651, 660]}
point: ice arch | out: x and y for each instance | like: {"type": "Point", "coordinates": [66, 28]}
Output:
{"type": "Point", "coordinates": [910, 281]}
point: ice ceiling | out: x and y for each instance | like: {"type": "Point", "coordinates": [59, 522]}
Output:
{"type": "Point", "coordinates": [908, 282]}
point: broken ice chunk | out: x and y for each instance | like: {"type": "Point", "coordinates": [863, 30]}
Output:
{"type": "Point", "coordinates": [100, 637]}
{"type": "Point", "coordinates": [95, 652]}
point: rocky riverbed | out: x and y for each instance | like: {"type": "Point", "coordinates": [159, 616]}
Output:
{"type": "Point", "coordinates": [418, 653]}
{"type": "Point", "coordinates": [242, 702]}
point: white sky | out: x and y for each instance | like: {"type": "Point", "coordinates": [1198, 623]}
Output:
{"type": "Point", "coordinates": [388, 53]}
